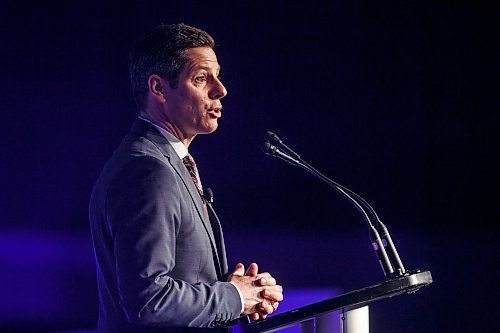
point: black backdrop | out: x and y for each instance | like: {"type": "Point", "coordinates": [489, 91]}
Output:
{"type": "Point", "coordinates": [399, 101]}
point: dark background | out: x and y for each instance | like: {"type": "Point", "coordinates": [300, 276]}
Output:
{"type": "Point", "coordinates": [397, 100]}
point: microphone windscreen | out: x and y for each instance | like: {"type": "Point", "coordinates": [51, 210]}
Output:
{"type": "Point", "coordinates": [273, 138]}
{"type": "Point", "coordinates": [208, 194]}
{"type": "Point", "coordinates": [268, 148]}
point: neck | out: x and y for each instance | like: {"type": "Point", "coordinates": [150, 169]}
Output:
{"type": "Point", "coordinates": [170, 127]}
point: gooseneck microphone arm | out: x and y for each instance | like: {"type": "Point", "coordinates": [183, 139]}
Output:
{"type": "Point", "coordinates": [394, 258]}
{"type": "Point", "coordinates": [361, 204]}
{"type": "Point", "coordinates": [275, 140]}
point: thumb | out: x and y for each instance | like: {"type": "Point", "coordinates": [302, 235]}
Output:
{"type": "Point", "coordinates": [239, 270]}
{"type": "Point", "coordinates": [252, 270]}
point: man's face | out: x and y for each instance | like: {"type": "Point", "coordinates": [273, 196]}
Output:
{"type": "Point", "coordinates": [194, 106]}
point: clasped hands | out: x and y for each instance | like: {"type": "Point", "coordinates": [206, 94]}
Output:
{"type": "Point", "coordinates": [261, 294]}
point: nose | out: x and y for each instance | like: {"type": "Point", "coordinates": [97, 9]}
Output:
{"type": "Point", "coordinates": [218, 90]}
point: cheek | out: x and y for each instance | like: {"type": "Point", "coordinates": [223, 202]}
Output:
{"type": "Point", "coordinates": [194, 103]}
{"type": "Point", "coordinates": [198, 96]}
{"type": "Point", "coordinates": [199, 104]}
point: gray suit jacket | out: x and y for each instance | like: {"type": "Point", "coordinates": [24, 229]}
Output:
{"type": "Point", "coordinates": [160, 257]}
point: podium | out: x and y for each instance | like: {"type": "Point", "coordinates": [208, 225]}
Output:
{"type": "Point", "coordinates": [353, 307]}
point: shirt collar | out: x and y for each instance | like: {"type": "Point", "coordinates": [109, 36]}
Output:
{"type": "Point", "coordinates": [180, 149]}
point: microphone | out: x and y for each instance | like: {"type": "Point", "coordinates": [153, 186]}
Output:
{"type": "Point", "coordinates": [379, 243]}
{"type": "Point", "coordinates": [208, 195]}
{"type": "Point", "coordinates": [272, 150]}
{"type": "Point", "coordinates": [274, 139]}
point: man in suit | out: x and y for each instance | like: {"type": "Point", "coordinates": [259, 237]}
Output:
{"type": "Point", "coordinates": [161, 261]}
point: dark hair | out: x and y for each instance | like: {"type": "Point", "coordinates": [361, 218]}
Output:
{"type": "Point", "coordinates": [161, 52]}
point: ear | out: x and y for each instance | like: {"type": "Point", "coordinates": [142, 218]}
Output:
{"type": "Point", "coordinates": [157, 88]}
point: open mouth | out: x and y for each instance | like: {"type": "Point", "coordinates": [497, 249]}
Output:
{"type": "Point", "coordinates": [215, 113]}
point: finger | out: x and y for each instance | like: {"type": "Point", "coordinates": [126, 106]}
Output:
{"type": "Point", "coordinates": [255, 316]}
{"type": "Point", "coordinates": [264, 274]}
{"type": "Point", "coordinates": [265, 308]}
{"type": "Point", "coordinates": [275, 305]}
{"type": "Point", "coordinates": [258, 316]}
{"type": "Point", "coordinates": [239, 270]}
{"type": "Point", "coordinates": [266, 281]}
{"type": "Point", "coordinates": [272, 295]}
{"type": "Point", "coordinates": [276, 288]}
{"type": "Point", "coordinates": [252, 270]}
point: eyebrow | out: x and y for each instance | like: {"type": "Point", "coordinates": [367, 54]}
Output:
{"type": "Point", "coordinates": [208, 69]}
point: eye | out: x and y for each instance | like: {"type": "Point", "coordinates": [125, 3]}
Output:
{"type": "Point", "coordinates": [200, 79]}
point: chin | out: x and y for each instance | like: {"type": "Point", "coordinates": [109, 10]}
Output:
{"type": "Point", "coordinates": [212, 126]}
{"type": "Point", "coordinates": [208, 129]}
{"type": "Point", "coordinates": [212, 129]}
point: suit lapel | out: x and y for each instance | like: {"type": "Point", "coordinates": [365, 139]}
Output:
{"type": "Point", "coordinates": [193, 193]}
{"type": "Point", "coordinates": [149, 131]}
{"type": "Point", "coordinates": [219, 238]}
{"type": "Point", "coordinates": [195, 197]}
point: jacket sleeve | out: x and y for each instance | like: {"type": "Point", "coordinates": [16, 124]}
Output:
{"type": "Point", "coordinates": [143, 210]}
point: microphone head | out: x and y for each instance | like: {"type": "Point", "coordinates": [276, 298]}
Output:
{"type": "Point", "coordinates": [273, 138]}
{"type": "Point", "coordinates": [268, 148]}
{"type": "Point", "coordinates": [208, 195]}
{"type": "Point", "coordinates": [276, 141]}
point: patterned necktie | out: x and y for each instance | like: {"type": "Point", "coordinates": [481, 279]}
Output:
{"type": "Point", "coordinates": [193, 172]}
